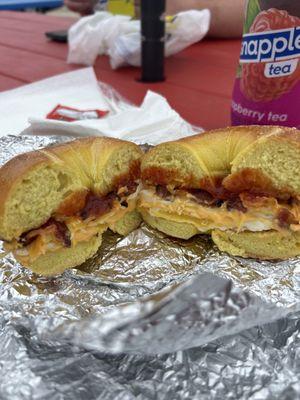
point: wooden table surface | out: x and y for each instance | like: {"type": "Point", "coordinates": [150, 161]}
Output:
{"type": "Point", "coordinates": [199, 79]}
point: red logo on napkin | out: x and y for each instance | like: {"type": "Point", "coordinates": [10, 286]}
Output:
{"type": "Point", "coordinates": [64, 113]}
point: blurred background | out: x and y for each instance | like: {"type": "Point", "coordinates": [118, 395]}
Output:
{"type": "Point", "coordinates": [57, 7]}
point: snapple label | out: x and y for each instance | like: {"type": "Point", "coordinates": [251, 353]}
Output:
{"type": "Point", "coordinates": [267, 86]}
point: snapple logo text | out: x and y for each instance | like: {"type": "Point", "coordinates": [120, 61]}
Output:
{"type": "Point", "coordinates": [281, 68]}
{"type": "Point", "coordinates": [270, 46]}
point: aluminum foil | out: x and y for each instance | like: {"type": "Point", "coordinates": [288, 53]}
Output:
{"type": "Point", "coordinates": [149, 317]}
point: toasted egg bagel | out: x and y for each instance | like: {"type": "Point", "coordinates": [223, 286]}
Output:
{"type": "Point", "coordinates": [238, 182]}
{"type": "Point", "coordinates": [56, 202]}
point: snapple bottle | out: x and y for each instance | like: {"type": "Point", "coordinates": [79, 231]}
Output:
{"type": "Point", "coordinates": [267, 85]}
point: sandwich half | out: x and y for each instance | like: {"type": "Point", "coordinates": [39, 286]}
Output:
{"type": "Point", "coordinates": [57, 202]}
{"type": "Point", "coordinates": [239, 184]}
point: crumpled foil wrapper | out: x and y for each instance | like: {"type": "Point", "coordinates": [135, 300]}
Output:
{"type": "Point", "coordinates": [149, 317]}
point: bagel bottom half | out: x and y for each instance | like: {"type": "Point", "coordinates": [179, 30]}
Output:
{"type": "Point", "coordinates": [128, 223]}
{"type": "Point", "coordinates": [179, 230]}
{"type": "Point", "coordinates": [268, 245]}
{"type": "Point", "coordinates": [56, 262]}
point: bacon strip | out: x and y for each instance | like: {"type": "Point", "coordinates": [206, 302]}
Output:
{"type": "Point", "coordinates": [60, 229]}
{"type": "Point", "coordinates": [249, 180]}
{"type": "Point", "coordinates": [285, 218]}
{"type": "Point", "coordinates": [246, 188]}
{"type": "Point", "coordinates": [214, 186]}
{"type": "Point", "coordinates": [130, 188]}
{"type": "Point", "coordinates": [84, 204]}
{"type": "Point", "coordinates": [130, 177]}
{"type": "Point", "coordinates": [96, 205]}
{"type": "Point", "coordinates": [72, 204]}
{"type": "Point", "coordinates": [62, 232]}
{"type": "Point", "coordinates": [162, 192]}
{"type": "Point", "coordinates": [235, 204]}
{"type": "Point", "coordinates": [205, 198]}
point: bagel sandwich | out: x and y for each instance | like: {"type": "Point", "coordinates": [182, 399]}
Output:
{"type": "Point", "coordinates": [239, 184]}
{"type": "Point", "coordinates": [57, 202]}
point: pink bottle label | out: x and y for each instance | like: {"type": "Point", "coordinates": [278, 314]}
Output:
{"type": "Point", "coordinates": [267, 87]}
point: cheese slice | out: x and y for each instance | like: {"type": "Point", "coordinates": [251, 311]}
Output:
{"type": "Point", "coordinates": [80, 231]}
{"type": "Point", "coordinates": [184, 208]}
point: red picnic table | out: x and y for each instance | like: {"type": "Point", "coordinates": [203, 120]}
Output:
{"type": "Point", "coordinates": [199, 79]}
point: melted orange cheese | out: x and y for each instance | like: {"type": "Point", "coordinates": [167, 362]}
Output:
{"type": "Point", "coordinates": [183, 208]}
{"type": "Point", "coordinates": [80, 231]}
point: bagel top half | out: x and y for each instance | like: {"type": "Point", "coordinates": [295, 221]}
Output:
{"type": "Point", "coordinates": [240, 179]}
{"type": "Point", "coordinates": [66, 195]}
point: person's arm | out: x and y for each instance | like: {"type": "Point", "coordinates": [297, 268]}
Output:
{"type": "Point", "coordinates": [83, 7]}
{"type": "Point", "coordinates": [227, 16]}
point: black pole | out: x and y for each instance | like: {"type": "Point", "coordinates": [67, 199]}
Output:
{"type": "Point", "coordinates": [153, 40]}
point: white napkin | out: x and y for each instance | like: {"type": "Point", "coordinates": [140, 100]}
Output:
{"type": "Point", "coordinates": [120, 37]}
{"type": "Point", "coordinates": [153, 122]}
{"type": "Point", "coordinates": [78, 89]}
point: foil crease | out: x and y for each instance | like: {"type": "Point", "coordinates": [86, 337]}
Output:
{"type": "Point", "coordinates": [149, 317]}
